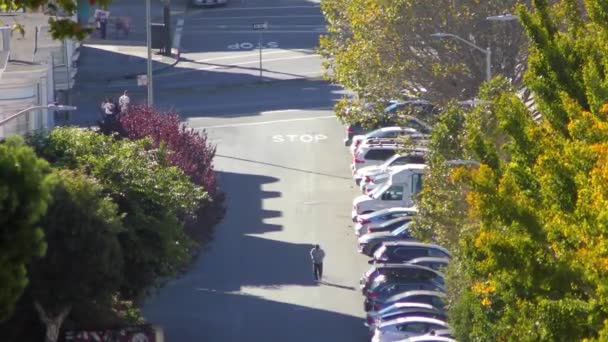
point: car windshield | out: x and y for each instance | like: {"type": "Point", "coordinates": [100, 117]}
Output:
{"type": "Point", "coordinates": [374, 134]}
{"type": "Point", "coordinates": [400, 230]}
{"type": "Point", "coordinates": [379, 190]}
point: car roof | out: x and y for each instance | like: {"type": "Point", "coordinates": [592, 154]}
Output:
{"type": "Point", "coordinates": [398, 168]}
{"type": "Point", "coordinates": [414, 244]}
{"type": "Point", "coordinates": [429, 259]}
{"type": "Point", "coordinates": [428, 338]}
{"type": "Point", "coordinates": [412, 293]}
{"type": "Point", "coordinates": [402, 320]}
{"type": "Point", "coordinates": [410, 305]}
{"type": "Point", "coordinates": [396, 219]}
{"type": "Point", "coordinates": [411, 267]}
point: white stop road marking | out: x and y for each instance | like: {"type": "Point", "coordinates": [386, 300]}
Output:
{"type": "Point", "coordinates": [305, 138]}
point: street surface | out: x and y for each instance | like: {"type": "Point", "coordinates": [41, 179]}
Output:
{"type": "Point", "coordinates": [282, 163]}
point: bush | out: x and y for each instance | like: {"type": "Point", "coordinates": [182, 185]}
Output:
{"type": "Point", "coordinates": [186, 149]}
{"type": "Point", "coordinates": [154, 197]}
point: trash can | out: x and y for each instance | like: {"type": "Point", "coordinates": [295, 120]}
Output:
{"type": "Point", "coordinates": [159, 36]}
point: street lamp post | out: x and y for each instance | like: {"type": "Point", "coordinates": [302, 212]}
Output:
{"type": "Point", "coordinates": [487, 52]}
{"type": "Point", "coordinates": [29, 109]}
{"type": "Point", "coordinates": [149, 82]}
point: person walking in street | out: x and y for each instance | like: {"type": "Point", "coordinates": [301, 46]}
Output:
{"type": "Point", "coordinates": [123, 102]}
{"type": "Point", "coordinates": [317, 255]}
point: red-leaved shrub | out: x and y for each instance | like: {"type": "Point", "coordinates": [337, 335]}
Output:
{"type": "Point", "coordinates": [187, 149]}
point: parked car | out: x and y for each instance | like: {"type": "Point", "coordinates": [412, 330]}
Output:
{"type": "Point", "coordinates": [386, 119]}
{"type": "Point", "coordinates": [384, 215]}
{"type": "Point", "coordinates": [386, 286]}
{"type": "Point", "coordinates": [378, 269]}
{"type": "Point", "coordinates": [368, 243]}
{"type": "Point", "coordinates": [428, 338]}
{"type": "Point", "coordinates": [401, 328]}
{"type": "Point", "coordinates": [374, 152]}
{"type": "Point", "coordinates": [434, 298]}
{"type": "Point", "coordinates": [405, 271]}
{"type": "Point", "coordinates": [405, 251]}
{"type": "Point", "coordinates": [384, 132]}
{"type": "Point", "coordinates": [437, 264]}
{"type": "Point", "coordinates": [406, 309]}
{"type": "Point", "coordinates": [404, 183]}
{"type": "Point", "coordinates": [386, 226]}
{"type": "Point", "coordinates": [412, 156]}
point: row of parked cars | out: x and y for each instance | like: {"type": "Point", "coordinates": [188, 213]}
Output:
{"type": "Point", "coordinates": [404, 289]}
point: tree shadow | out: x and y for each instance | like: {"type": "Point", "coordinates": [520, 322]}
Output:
{"type": "Point", "coordinates": [227, 317]}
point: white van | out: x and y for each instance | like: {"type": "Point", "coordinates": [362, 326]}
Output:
{"type": "Point", "coordinates": [399, 191]}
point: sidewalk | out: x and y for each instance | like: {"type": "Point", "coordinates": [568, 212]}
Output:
{"type": "Point", "coordinates": [119, 58]}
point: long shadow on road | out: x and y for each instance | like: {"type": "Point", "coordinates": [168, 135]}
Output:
{"type": "Point", "coordinates": [210, 302]}
{"type": "Point", "coordinates": [228, 317]}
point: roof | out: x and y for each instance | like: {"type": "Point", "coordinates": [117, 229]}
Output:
{"type": "Point", "coordinates": [413, 319]}
{"type": "Point", "coordinates": [406, 294]}
{"type": "Point", "coordinates": [429, 259]}
{"type": "Point", "coordinates": [415, 244]}
{"type": "Point", "coordinates": [398, 168]}
{"type": "Point", "coordinates": [402, 305]}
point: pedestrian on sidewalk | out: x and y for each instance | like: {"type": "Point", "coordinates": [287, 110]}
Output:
{"type": "Point", "coordinates": [101, 20]}
{"type": "Point", "coordinates": [123, 102]}
{"type": "Point", "coordinates": [108, 109]}
{"type": "Point", "coordinates": [317, 255]}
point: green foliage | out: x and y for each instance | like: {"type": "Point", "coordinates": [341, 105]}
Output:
{"type": "Point", "coordinates": [155, 199]}
{"type": "Point", "coordinates": [379, 48]}
{"type": "Point", "coordinates": [532, 255]}
{"type": "Point", "coordinates": [61, 26]}
{"type": "Point", "coordinates": [84, 260]}
{"type": "Point", "coordinates": [25, 186]}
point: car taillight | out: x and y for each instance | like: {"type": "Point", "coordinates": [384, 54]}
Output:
{"type": "Point", "coordinates": [370, 320]}
{"type": "Point", "coordinates": [372, 294]}
{"type": "Point", "coordinates": [363, 221]}
{"type": "Point", "coordinates": [357, 143]}
{"type": "Point", "coordinates": [368, 179]}
{"type": "Point", "coordinates": [350, 130]}
{"type": "Point", "coordinates": [357, 161]}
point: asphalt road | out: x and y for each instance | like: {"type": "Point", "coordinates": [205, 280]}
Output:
{"type": "Point", "coordinates": [281, 161]}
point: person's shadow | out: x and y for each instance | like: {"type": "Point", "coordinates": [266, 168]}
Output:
{"type": "Point", "coordinates": [324, 282]}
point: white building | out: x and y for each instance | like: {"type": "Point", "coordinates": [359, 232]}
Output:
{"type": "Point", "coordinates": [35, 70]}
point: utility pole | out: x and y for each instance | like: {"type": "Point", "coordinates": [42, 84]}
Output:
{"type": "Point", "coordinates": [150, 83]}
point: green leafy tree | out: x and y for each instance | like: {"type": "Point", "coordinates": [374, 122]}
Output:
{"type": "Point", "coordinates": [25, 186]}
{"type": "Point", "coordinates": [60, 11]}
{"type": "Point", "coordinates": [379, 49]}
{"type": "Point", "coordinates": [83, 263]}
{"type": "Point", "coordinates": [533, 266]}
{"type": "Point", "coordinates": [155, 197]}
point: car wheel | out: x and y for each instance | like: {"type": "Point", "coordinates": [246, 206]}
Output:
{"type": "Point", "coordinates": [358, 181]}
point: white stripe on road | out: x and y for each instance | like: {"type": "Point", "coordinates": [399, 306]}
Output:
{"type": "Point", "coordinates": [257, 54]}
{"type": "Point", "coordinates": [257, 8]}
{"type": "Point", "coordinates": [266, 122]}
{"type": "Point", "coordinates": [256, 16]}
{"type": "Point", "coordinates": [228, 66]}
{"type": "Point", "coordinates": [280, 111]}
{"type": "Point", "coordinates": [265, 60]}
{"type": "Point", "coordinates": [218, 32]}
